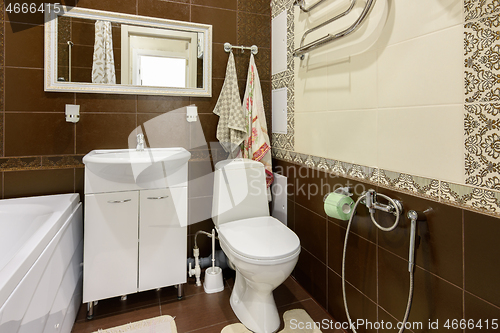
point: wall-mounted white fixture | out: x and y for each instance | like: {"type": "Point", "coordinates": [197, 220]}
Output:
{"type": "Point", "coordinates": [279, 43]}
{"type": "Point", "coordinates": [191, 113]}
{"type": "Point", "coordinates": [280, 105]}
{"type": "Point", "coordinates": [72, 113]}
{"type": "Point", "coordinates": [280, 198]}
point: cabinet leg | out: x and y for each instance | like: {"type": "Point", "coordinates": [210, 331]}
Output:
{"type": "Point", "coordinates": [179, 291]}
{"type": "Point", "coordinates": [90, 310]}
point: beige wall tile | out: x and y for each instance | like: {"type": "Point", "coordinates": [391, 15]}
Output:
{"type": "Point", "coordinates": [423, 71]}
{"type": "Point", "coordinates": [423, 141]}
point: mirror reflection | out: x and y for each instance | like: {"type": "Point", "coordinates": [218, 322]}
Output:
{"type": "Point", "coordinates": [103, 52]}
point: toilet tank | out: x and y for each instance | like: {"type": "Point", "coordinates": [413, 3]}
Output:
{"type": "Point", "coordinates": [240, 191]}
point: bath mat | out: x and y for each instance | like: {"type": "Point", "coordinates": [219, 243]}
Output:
{"type": "Point", "coordinates": [164, 324]}
{"type": "Point", "coordinates": [298, 315]}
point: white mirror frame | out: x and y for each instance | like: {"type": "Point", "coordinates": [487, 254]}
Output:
{"type": "Point", "coordinates": [51, 83]}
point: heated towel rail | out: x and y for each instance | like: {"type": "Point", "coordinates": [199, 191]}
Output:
{"type": "Point", "coordinates": [303, 49]}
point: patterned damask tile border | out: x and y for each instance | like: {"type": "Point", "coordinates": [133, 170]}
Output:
{"type": "Point", "coordinates": [286, 78]}
{"type": "Point", "coordinates": [482, 145]}
{"type": "Point", "coordinates": [474, 9]}
{"type": "Point", "coordinates": [479, 199]}
{"type": "Point", "coordinates": [40, 163]}
{"type": "Point", "coordinates": [482, 60]}
{"type": "Point", "coordinates": [467, 197]}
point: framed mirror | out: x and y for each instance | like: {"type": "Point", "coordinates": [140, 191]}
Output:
{"type": "Point", "coordinates": [93, 51]}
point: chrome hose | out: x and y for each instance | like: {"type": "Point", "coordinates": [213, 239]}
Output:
{"type": "Point", "coordinates": [410, 294]}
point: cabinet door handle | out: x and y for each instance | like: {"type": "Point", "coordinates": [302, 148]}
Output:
{"type": "Point", "coordinates": [158, 198]}
{"type": "Point", "coordinates": [119, 201]}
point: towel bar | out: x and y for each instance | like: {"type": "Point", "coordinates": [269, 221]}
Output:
{"type": "Point", "coordinates": [332, 37]}
{"type": "Point", "coordinates": [228, 47]}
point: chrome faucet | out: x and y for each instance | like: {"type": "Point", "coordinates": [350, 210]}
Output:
{"type": "Point", "coordinates": [140, 142]}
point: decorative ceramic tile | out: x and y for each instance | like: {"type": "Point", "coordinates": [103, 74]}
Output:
{"type": "Point", "coordinates": [56, 162]}
{"type": "Point", "coordinates": [479, 8]}
{"type": "Point", "coordinates": [255, 6]}
{"type": "Point", "coordinates": [254, 29]}
{"type": "Point", "coordinates": [201, 155]}
{"type": "Point", "coordinates": [470, 197]}
{"type": "Point", "coordinates": [482, 60]}
{"type": "Point", "coordinates": [364, 173]}
{"type": "Point", "coordinates": [482, 145]}
{"type": "Point", "coordinates": [413, 184]}
{"type": "Point", "coordinates": [20, 163]}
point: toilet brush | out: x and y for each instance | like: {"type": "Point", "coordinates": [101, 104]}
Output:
{"type": "Point", "coordinates": [213, 275]}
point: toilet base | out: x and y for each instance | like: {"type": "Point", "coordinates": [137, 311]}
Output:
{"type": "Point", "coordinates": [256, 309]}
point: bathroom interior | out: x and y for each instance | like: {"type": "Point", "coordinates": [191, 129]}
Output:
{"type": "Point", "coordinates": [401, 116]}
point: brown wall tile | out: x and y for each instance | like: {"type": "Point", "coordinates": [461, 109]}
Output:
{"type": "Point", "coordinates": [481, 313]}
{"type": "Point", "coordinates": [224, 4]}
{"type": "Point", "coordinates": [207, 104]}
{"type": "Point", "coordinates": [201, 179]}
{"type": "Point", "coordinates": [151, 104]}
{"type": "Point", "coordinates": [482, 256]}
{"type": "Point", "coordinates": [39, 182]}
{"type": "Point", "coordinates": [165, 130]}
{"type": "Point", "coordinates": [311, 229]}
{"type": "Point", "coordinates": [106, 103]}
{"type": "Point", "coordinates": [24, 92]}
{"type": "Point", "coordinates": [23, 45]}
{"type": "Point", "coordinates": [163, 9]}
{"type": "Point", "coordinates": [122, 6]}
{"type": "Point", "coordinates": [83, 33]}
{"type": "Point", "coordinates": [28, 134]}
{"type": "Point", "coordinates": [311, 274]}
{"type": "Point", "coordinates": [103, 131]}
{"type": "Point", "coordinates": [223, 22]}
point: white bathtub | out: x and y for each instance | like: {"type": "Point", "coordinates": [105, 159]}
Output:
{"type": "Point", "coordinates": [41, 249]}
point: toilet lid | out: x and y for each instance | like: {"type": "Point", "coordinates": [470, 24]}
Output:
{"type": "Point", "coordinates": [259, 238]}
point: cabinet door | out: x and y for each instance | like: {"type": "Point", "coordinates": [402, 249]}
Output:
{"type": "Point", "coordinates": [110, 245]}
{"type": "Point", "coordinates": [162, 238]}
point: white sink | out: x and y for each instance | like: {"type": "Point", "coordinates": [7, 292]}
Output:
{"type": "Point", "coordinates": [133, 166]}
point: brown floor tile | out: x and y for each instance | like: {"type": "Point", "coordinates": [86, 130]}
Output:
{"type": "Point", "coordinates": [196, 312]}
{"type": "Point", "coordinates": [210, 309]}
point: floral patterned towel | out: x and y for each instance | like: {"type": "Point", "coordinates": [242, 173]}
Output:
{"type": "Point", "coordinates": [256, 145]}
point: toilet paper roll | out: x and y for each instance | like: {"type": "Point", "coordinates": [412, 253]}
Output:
{"type": "Point", "coordinates": [338, 206]}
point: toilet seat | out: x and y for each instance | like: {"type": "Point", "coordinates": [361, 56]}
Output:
{"type": "Point", "coordinates": [260, 240]}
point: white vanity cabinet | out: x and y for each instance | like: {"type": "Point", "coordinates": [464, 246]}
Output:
{"type": "Point", "coordinates": [135, 237]}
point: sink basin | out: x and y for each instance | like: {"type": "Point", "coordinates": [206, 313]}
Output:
{"type": "Point", "coordinates": [133, 166]}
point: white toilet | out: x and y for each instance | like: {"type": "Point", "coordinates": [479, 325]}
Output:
{"type": "Point", "coordinates": [262, 249]}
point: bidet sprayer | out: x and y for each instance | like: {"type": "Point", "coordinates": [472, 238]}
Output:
{"type": "Point", "coordinates": [413, 216]}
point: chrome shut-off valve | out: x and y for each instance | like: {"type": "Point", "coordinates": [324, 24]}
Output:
{"type": "Point", "coordinates": [372, 204]}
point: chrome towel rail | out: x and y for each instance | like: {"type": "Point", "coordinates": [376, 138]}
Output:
{"type": "Point", "coordinates": [353, 2]}
{"type": "Point", "coordinates": [228, 47]}
{"type": "Point", "coordinates": [302, 5]}
{"type": "Point", "coordinates": [332, 37]}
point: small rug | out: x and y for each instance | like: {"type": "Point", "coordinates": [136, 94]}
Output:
{"type": "Point", "coordinates": [163, 324]}
{"type": "Point", "coordinates": [301, 324]}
